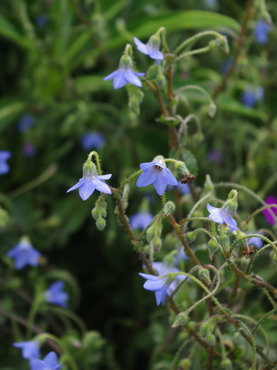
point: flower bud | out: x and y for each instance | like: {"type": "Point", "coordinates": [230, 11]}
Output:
{"type": "Point", "coordinates": [204, 275]}
{"type": "Point", "coordinates": [210, 339]}
{"type": "Point", "coordinates": [99, 212]}
{"type": "Point", "coordinates": [169, 208]}
{"type": "Point", "coordinates": [212, 248]}
{"type": "Point", "coordinates": [180, 320]}
{"type": "Point", "coordinates": [212, 110]}
{"type": "Point", "coordinates": [156, 243]}
{"type": "Point", "coordinates": [160, 79]}
{"type": "Point", "coordinates": [100, 223]}
{"type": "Point", "coordinates": [152, 72]}
{"type": "Point", "coordinates": [208, 185]}
{"type": "Point", "coordinates": [150, 233]}
{"type": "Point", "coordinates": [227, 364]}
{"type": "Point", "coordinates": [185, 364]}
{"type": "Point", "coordinates": [191, 236]}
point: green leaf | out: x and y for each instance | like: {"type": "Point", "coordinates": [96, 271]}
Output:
{"type": "Point", "coordinates": [7, 29]}
{"type": "Point", "coordinates": [231, 105]}
{"type": "Point", "coordinates": [9, 111]}
{"type": "Point", "coordinates": [190, 161]}
{"type": "Point", "coordinates": [86, 84]}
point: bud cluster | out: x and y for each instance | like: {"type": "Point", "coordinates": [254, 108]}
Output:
{"type": "Point", "coordinates": [99, 212]}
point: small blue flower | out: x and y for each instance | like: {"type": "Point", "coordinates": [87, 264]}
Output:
{"type": "Point", "coordinates": [252, 95]}
{"type": "Point", "coordinates": [29, 348]}
{"type": "Point", "coordinates": [140, 220]}
{"type": "Point", "coordinates": [24, 254]}
{"type": "Point", "coordinates": [56, 295]}
{"type": "Point", "coordinates": [125, 74]}
{"type": "Point", "coordinates": [151, 48]}
{"type": "Point", "coordinates": [261, 31]}
{"type": "Point", "coordinates": [25, 123]}
{"type": "Point", "coordinates": [42, 20]}
{"type": "Point", "coordinates": [221, 216]}
{"type": "Point", "coordinates": [179, 256]}
{"type": "Point", "coordinates": [157, 174]}
{"type": "Point", "coordinates": [50, 362]}
{"type": "Point", "coordinates": [256, 241]}
{"type": "Point", "coordinates": [89, 183]}
{"type": "Point", "coordinates": [4, 156]}
{"type": "Point", "coordinates": [158, 284]}
{"type": "Point", "coordinates": [29, 150]}
{"type": "Point", "coordinates": [92, 140]}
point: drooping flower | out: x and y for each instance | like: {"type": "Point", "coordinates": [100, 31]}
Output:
{"type": "Point", "coordinates": [256, 241]}
{"type": "Point", "coordinates": [50, 362]}
{"type": "Point", "coordinates": [159, 284]}
{"type": "Point", "coordinates": [92, 140]}
{"type": "Point", "coordinates": [270, 212]}
{"type": "Point", "coordinates": [56, 295]}
{"type": "Point", "coordinates": [4, 156]}
{"type": "Point", "coordinates": [140, 220]}
{"type": "Point", "coordinates": [25, 123]}
{"type": "Point", "coordinates": [151, 48]}
{"type": "Point", "coordinates": [30, 348]}
{"type": "Point", "coordinates": [24, 254]}
{"type": "Point", "coordinates": [125, 74]}
{"type": "Point", "coordinates": [29, 150]}
{"type": "Point", "coordinates": [261, 31]}
{"type": "Point", "coordinates": [91, 181]}
{"type": "Point", "coordinates": [157, 174]}
{"type": "Point", "coordinates": [221, 216]}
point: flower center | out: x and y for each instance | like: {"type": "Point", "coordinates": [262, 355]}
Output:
{"type": "Point", "coordinates": [158, 168]}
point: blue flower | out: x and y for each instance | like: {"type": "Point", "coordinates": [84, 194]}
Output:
{"type": "Point", "coordinates": [29, 348]}
{"type": "Point", "coordinates": [92, 140]}
{"type": "Point", "coordinates": [24, 254]}
{"type": "Point", "coordinates": [160, 285]}
{"type": "Point", "coordinates": [140, 220]}
{"type": "Point", "coordinates": [261, 31]}
{"type": "Point", "coordinates": [42, 20]}
{"type": "Point", "coordinates": [50, 362]}
{"type": "Point", "coordinates": [179, 256]}
{"type": "Point", "coordinates": [157, 174]}
{"type": "Point", "coordinates": [250, 96]}
{"type": "Point", "coordinates": [25, 123]}
{"type": "Point", "coordinates": [56, 295]}
{"type": "Point", "coordinates": [256, 241]}
{"type": "Point", "coordinates": [29, 150]}
{"type": "Point", "coordinates": [125, 74]}
{"type": "Point", "coordinates": [89, 183]}
{"type": "Point", "coordinates": [4, 156]}
{"type": "Point", "coordinates": [221, 216]}
{"type": "Point", "coordinates": [151, 48]}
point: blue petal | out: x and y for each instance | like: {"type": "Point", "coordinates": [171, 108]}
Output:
{"type": "Point", "coordinates": [156, 54]}
{"type": "Point", "coordinates": [168, 178]}
{"type": "Point", "coordinates": [112, 75]}
{"type": "Point", "coordinates": [147, 177]}
{"type": "Point", "coordinates": [76, 186]}
{"type": "Point", "coordinates": [37, 364]}
{"type": "Point", "coordinates": [131, 77]}
{"type": "Point", "coordinates": [105, 177]}
{"type": "Point", "coordinates": [102, 186]}
{"type": "Point", "coordinates": [154, 285]}
{"type": "Point", "coordinates": [4, 155]}
{"type": "Point", "coordinates": [87, 188]}
{"type": "Point", "coordinates": [51, 360]}
{"type": "Point", "coordinates": [160, 296]}
{"type": "Point", "coordinates": [230, 222]}
{"type": "Point", "coordinates": [148, 276]}
{"type": "Point", "coordinates": [141, 46]}
{"type": "Point", "coordinates": [120, 80]}
{"type": "Point", "coordinates": [212, 209]}
{"type": "Point", "coordinates": [159, 185]}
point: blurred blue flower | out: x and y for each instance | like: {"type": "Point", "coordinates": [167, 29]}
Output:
{"type": "Point", "coordinates": [56, 295]}
{"type": "Point", "coordinates": [124, 75]}
{"type": "Point", "coordinates": [179, 256]}
{"type": "Point", "coordinates": [157, 174]}
{"type": "Point", "coordinates": [151, 49]}
{"type": "Point", "coordinates": [140, 220]}
{"type": "Point", "coordinates": [214, 156]}
{"type": "Point", "coordinates": [256, 241]}
{"type": "Point", "coordinates": [29, 348]}
{"type": "Point", "coordinates": [221, 216]}
{"type": "Point", "coordinates": [50, 362]}
{"type": "Point", "coordinates": [92, 140]}
{"type": "Point", "coordinates": [261, 31]}
{"type": "Point", "coordinates": [270, 213]}
{"type": "Point", "coordinates": [29, 150]}
{"type": "Point", "coordinates": [42, 20]}
{"type": "Point", "coordinates": [226, 65]}
{"type": "Point", "coordinates": [252, 95]}
{"type": "Point", "coordinates": [158, 284]}
{"type": "Point", "coordinates": [25, 123]}
{"type": "Point", "coordinates": [89, 183]}
{"type": "Point", "coordinates": [4, 156]}
{"type": "Point", "coordinates": [24, 254]}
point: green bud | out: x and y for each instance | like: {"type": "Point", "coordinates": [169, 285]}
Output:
{"type": "Point", "coordinates": [159, 158]}
{"type": "Point", "coordinates": [208, 185]}
{"type": "Point", "coordinates": [180, 320]}
{"type": "Point", "coordinates": [152, 71]}
{"type": "Point", "coordinates": [212, 110]}
{"type": "Point", "coordinates": [169, 208]}
{"type": "Point", "coordinates": [160, 79]}
{"type": "Point", "coordinates": [204, 275]}
{"type": "Point", "coordinates": [125, 196]}
{"type": "Point", "coordinates": [210, 339]}
{"type": "Point", "coordinates": [156, 243]}
{"type": "Point", "coordinates": [100, 223]}
{"type": "Point", "coordinates": [204, 328]}
{"type": "Point", "coordinates": [227, 364]}
{"type": "Point", "coordinates": [181, 168]}
{"type": "Point", "coordinates": [191, 236]}
{"type": "Point", "coordinates": [212, 248]}
{"type": "Point", "coordinates": [185, 364]}
{"type": "Point", "coordinates": [150, 233]}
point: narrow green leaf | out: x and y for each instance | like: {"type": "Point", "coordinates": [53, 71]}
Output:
{"type": "Point", "coordinates": [234, 106]}
{"type": "Point", "coordinates": [8, 30]}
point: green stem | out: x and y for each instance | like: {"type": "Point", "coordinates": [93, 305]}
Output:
{"type": "Point", "coordinates": [194, 87]}
{"type": "Point", "coordinates": [262, 319]}
{"type": "Point", "coordinates": [72, 316]}
{"type": "Point", "coordinates": [253, 236]}
{"type": "Point", "coordinates": [98, 164]}
{"type": "Point", "coordinates": [33, 311]}
{"type": "Point", "coordinates": [260, 210]}
{"type": "Point", "coordinates": [126, 181]}
{"type": "Point", "coordinates": [193, 52]}
{"type": "Point", "coordinates": [195, 38]}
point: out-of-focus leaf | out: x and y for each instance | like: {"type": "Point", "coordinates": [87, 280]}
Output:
{"type": "Point", "coordinates": [231, 105]}
{"type": "Point", "coordinates": [86, 84]}
{"type": "Point", "coordinates": [9, 111]}
{"type": "Point", "coordinates": [7, 29]}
